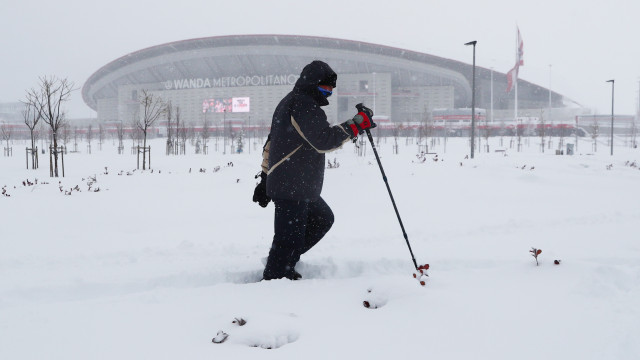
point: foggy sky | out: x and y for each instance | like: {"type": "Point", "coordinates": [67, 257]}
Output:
{"type": "Point", "coordinates": [585, 42]}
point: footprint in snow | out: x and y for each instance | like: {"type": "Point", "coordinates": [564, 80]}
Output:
{"type": "Point", "coordinates": [265, 331]}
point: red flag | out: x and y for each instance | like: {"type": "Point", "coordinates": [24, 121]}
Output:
{"type": "Point", "coordinates": [519, 51]}
{"type": "Point", "coordinates": [512, 75]}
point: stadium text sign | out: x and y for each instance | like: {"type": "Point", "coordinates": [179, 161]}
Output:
{"type": "Point", "coordinates": [231, 81]}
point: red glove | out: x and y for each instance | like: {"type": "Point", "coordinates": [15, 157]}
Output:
{"type": "Point", "coordinates": [362, 120]}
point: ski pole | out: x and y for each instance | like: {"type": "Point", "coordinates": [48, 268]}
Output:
{"type": "Point", "coordinates": [384, 177]}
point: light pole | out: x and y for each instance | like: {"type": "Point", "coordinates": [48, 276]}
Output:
{"type": "Point", "coordinates": [613, 83]}
{"type": "Point", "coordinates": [492, 118]}
{"type": "Point", "coordinates": [224, 132]}
{"type": "Point", "coordinates": [549, 121]}
{"type": "Point", "coordinates": [549, 112]}
{"type": "Point", "coordinates": [473, 97]}
{"type": "Point", "coordinates": [374, 93]}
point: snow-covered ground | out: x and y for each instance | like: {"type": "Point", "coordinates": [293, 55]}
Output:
{"type": "Point", "coordinates": [156, 263]}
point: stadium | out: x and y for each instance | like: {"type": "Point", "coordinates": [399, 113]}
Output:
{"type": "Point", "coordinates": [241, 78]}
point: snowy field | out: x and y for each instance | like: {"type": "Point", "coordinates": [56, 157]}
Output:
{"type": "Point", "coordinates": [156, 263]}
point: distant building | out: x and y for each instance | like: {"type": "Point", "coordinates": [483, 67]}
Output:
{"type": "Point", "coordinates": [244, 77]}
{"type": "Point", "coordinates": [11, 112]}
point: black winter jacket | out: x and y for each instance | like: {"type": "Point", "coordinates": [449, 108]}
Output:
{"type": "Point", "coordinates": [300, 136]}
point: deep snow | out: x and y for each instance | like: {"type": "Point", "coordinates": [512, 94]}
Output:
{"type": "Point", "coordinates": [156, 263]}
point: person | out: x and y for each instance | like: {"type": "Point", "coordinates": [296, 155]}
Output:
{"type": "Point", "coordinates": [293, 167]}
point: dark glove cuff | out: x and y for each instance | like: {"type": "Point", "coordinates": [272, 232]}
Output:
{"type": "Point", "coordinates": [349, 129]}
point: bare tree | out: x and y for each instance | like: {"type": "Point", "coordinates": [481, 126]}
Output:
{"type": "Point", "coordinates": [31, 116]}
{"type": "Point", "coordinates": [542, 130]}
{"type": "Point", "coordinates": [206, 133]}
{"type": "Point", "coordinates": [595, 131]}
{"type": "Point", "coordinates": [193, 137]}
{"type": "Point", "coordinates": [426, 129]}
{"type": "Point", "coordinates": [563, 133]}
{"type": "Point", "coordinates": [100, 135]}
{"type": "Point", "coordinates": [6, 131]}
{"type": "Point", "coordinates": [89, 137]}
{"type": "Point", "coordinates": [240, 141]}
{"type": "Point", "coordinates": [232, 136]}
{"type": "Point", "coordinates": [519, 131]}
{"type": "Point", "coordinates": [633, 133]}
{"type": "Point", "coordinates": [153, 107]}
{"type": "Point", "coordinates": [76, 136]}
{"type": "Point", "coordinates": [183, 133]}
{"type": "Point", "coordinates": [50, 97]}
{"type": "Point", "coordinates": [170, 144]}
{"type": "Point", "coordinates": [120, 135]}
{"type": "Point", "coordinates": [487, 131]}
{"type": "Point", "coordinates": [178, 147]}
{"type": "Point", "coordinates": [396, 133]}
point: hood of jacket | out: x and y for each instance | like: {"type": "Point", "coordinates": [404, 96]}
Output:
{"type": "Point", "coordinates": [313, 74]}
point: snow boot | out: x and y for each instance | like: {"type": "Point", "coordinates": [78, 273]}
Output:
{"type": "Point", "coordinates": [293, 275]}
{"type": "Point", "coordinates": [290, 274]}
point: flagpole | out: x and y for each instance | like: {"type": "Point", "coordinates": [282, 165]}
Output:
{"type": "Point", "coordinates": [516, 97]}
{"type": "Point", "coordinates": [516, 79]}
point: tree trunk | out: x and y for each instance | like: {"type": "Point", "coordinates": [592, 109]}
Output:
{"type": "Point", "coordinates": [33, 150]}
{"type": "Point", "coordinates": [55, 155]}
{"type": "Point", "coordinates": [144, 151]}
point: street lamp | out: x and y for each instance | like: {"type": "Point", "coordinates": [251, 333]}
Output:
{"type": "Point", "coordinates": [473, 97]}
{"type": "Point", "coordinates": [224, 132]}
{"type": "Point", "coordinates": [374, 92]}
{"type": "Point", "coordinates": [613, 83]}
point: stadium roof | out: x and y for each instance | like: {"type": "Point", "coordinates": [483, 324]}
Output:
{"type": "Point", "coordinates": [279, 54]}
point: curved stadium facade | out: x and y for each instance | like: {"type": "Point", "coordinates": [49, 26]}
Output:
{"type": "Point", "coordinates": [243, 77]}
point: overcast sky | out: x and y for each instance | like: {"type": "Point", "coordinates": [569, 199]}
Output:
{"type": "Point", "coordinates": [586, 42]}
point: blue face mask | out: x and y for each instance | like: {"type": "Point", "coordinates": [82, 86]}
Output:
{"type": "Point", "coordinates": [325, 92]}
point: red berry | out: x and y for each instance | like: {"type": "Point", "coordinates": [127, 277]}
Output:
{"type": "Point", "coordinates": [422, 283]}
{"type": "Point", "coordinates": [538, 252]}
{"type": "Point", "coordinates": [366, 304]}
{"type": "Point", "coordinates": [557, 262]}
{"type": "Point", "coordinates": [415, 276]}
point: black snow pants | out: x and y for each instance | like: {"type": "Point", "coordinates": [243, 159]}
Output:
{"type": "Point", "coordinates": [298, 226]}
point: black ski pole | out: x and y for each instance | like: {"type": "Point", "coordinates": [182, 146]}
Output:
{"type": "Point", "coordinates": [384, 177]}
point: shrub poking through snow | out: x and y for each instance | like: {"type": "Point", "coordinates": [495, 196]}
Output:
{"type": "Point", "coordinates": [422, 275]}
{"type": "Point", "coordinates": [375, 299]}
{"type": "Point", "coordinates": [333, 165]}
{"type": "Point", "coordinates": [239, 321]}
{"type": "Point", "coordinates": [367, 304]}
{"type": "Point", "coordinates": [535, 252]}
